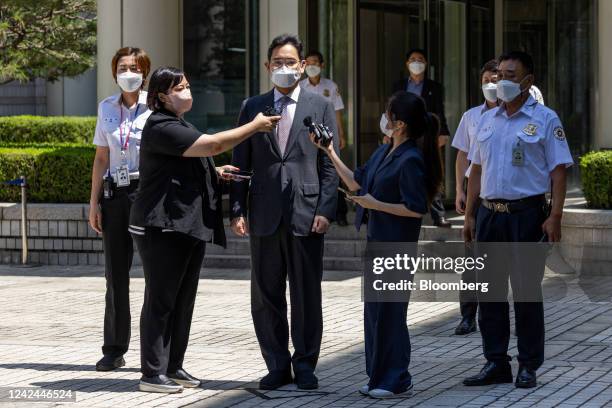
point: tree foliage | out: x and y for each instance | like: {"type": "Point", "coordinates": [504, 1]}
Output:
{"type": "Point", "coordinates": [46, 38]}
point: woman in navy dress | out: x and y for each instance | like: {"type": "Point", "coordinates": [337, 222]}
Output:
{"type": "Point", "coordinates": [395, 186]}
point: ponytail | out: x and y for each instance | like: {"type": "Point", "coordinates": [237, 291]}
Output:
{"type": "Point", "coordinates": [424, 128]}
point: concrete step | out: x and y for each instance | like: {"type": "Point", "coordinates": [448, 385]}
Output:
{"type": "Point", "coordinates": [428, 233]}
{"type": "Point", "coordinates": [340, 248]}
{"type": "Point", "coordinates": [244, 262]}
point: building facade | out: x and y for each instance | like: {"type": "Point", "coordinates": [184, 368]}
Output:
{"type": "Point", "coordinates": [222, 46]}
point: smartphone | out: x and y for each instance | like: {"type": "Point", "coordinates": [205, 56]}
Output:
{"type": "Point", "coordinates": [239, 175]}
{"type": "Point", "coordinates": [347, 193]}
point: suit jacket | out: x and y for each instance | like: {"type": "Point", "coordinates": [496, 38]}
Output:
{"type": "Point", "coordinates": [296, 186]}
{"type": "Point", "coordinates": [433, 94]}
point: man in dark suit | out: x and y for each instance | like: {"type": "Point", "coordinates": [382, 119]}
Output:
{"type": "Point", "coordinates": [289, 204]}
{"type": "Point", "coordinates": [433, 94]}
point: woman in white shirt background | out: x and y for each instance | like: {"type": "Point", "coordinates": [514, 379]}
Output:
{"type": "Point", "coordinates": [121, 118]}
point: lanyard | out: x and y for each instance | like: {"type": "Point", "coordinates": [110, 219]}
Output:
{"type": "Point", "coordinates": [124, 145]}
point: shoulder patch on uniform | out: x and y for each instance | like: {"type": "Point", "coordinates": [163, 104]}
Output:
{"type": "Point", "coordinates": [326, 92]}
{"type": "Point", "coordinates": [559, 133]}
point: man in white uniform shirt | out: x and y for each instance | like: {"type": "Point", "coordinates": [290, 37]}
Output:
{"type": "Point", "coordinates": [463, 141]}
{"type": "Point", "coordinates": [327, 88]}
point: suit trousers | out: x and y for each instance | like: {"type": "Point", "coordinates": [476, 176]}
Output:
{"type": "Point", "coordinates": [494, 319]}
{"type": "Point", "coordinates": [118, 254]}
{"type": "Point", "coordinates": [171, 262]}
{"type": "Point", "coordinates": [274, 258]}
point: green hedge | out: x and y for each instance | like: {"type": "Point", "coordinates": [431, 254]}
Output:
{"type": "Point", "coordinates": [55, 173]}
{"type": "Point", "coordinates": [44, 129]}
{"type": "Point", "coordinates": [596, 173]}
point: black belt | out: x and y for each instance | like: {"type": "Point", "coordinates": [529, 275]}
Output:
{"type": "Point", "coordinates": [513, 206]}
{"type": "Point", "coordinates": [133, 184]}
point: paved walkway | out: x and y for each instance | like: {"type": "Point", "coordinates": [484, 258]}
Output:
{"type": "Point", "coordinates": [51, 323]}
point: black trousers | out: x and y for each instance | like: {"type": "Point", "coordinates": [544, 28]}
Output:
{"type": "Point", "coordinates": [437, 207]}
{"type": "Point", "coordinates": [494, 319]}
{"type": "Point", "coordinates": [118, 254]}
{"type": "Point", "coordinates": [274, 258]}
{"type": "Point", "coordinates": [171, 262]}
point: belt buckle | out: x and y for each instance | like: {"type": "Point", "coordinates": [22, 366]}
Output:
{"type": "Point", "coordinates": [501, 207]}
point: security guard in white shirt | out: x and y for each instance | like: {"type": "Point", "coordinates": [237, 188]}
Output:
{"type": "Point", "coordinates": [329, 89]}
{"type": "Point", "coordinates": [520, 148]}
{"type": "Point", "coordinates": [121, 118]}
{"type": "Point", "coordinates": [462, 141]}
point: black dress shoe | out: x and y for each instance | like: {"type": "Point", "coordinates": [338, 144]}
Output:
{"type": "Point", "coordinates": [526, 378]}
{"type": "Point", "coordinates": [184, 378]}
{"type": "Point", "coordinates": [275, 379]}
{"type": "Point", "coordinates": [109, 363]}
{"type": "Point", "coordinates": [306, 380]}
{"type": "Point", "coordinates": [159, 383]}
{"type": "Point", "coordinates": [492, 373]}
{"type": "Point", "coordinates": [466, 326]}
{"type": "Point", "coordinates": [442, 222]}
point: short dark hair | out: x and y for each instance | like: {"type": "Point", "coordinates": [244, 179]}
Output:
{"type": "Point", "coordinates": [285, 39]}
{"type": "Point", "coordinates": [315, 53]}
{"type": "Point", "coordinates": [414, 51]}
{"type": "Point", "coordinates": [489, 66]}
{"type": "Point", "coordinates": [142, 61]}
{"type": "Point", "coordinates": [525, 59]}
{"type": "Point", "coordinates": [162, 79]}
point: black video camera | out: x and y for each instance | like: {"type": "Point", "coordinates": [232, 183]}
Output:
{"type": "Point", "coordinates": [323, 135]}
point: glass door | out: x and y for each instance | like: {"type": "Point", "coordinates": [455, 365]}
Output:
{"type": "Point", "coordinates": [386, 30]}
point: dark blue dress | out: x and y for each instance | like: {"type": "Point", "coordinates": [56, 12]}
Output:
{"type": "Point", "coordinates": [396, 179]}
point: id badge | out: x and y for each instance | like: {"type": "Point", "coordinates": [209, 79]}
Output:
{"type": "Point", "coordinates": [123, 176]}
{"type": "Point", "coordinates": [518, 155]}
{"type": "Point", "coordinates": [124, 160]}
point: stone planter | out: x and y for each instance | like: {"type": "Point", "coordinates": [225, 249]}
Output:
{"type": "Point", "coordinates": [587, 239]}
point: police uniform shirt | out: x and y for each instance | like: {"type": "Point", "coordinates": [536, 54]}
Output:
{"type": "Point", "coordinates": [176, 193]}
{"type": "Point", "coordinates": [464, 136]}
{"type": "Point", "coordinates": [109, 129]}
{"type": "Point", "coordinates": [535, 133]}
{"type": "Point", "coordinates": [327, 88]}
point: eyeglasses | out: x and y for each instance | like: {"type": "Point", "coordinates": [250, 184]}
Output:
{"type": "Point", "coordinates": [290, 63]}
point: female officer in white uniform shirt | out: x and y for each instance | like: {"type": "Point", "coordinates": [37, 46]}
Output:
{"type": "Point", "coordinates": [121, 118]}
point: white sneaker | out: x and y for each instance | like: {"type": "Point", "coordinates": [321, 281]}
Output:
{"type": "Point", "coordinates": [364, 390]}
{"type": "Point", "coordinates": [379, 393]}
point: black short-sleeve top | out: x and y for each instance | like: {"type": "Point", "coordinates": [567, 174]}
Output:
{"type": "Point", "coordinates": [175, 192]}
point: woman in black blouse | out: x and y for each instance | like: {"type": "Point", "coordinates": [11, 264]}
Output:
{"type": "Point", "coordinates": [177, 210]}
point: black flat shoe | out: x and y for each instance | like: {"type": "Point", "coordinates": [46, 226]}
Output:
{"type": "Point", "coordinates": [109, 363]}
{"type": "Point", "coordinates": [306, 380]}
{"type": "Point", "coordinates": [275, 379]}
{"type": "Point", "coordinates": [159, 383]}
{"type": "Point", "coordinates": [492, 373]}
{"type": "Point", "coordinates": [526, 378]}
{"type": "Point", "coordinates": [466, 326]}
{"type": "Point", "coordinates": [184, 378]}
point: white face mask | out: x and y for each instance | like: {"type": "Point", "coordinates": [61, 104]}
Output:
{"type": "Point", "coordinates": [416, 68]}
{"type": "Point", "coordinates": [129, 81]}
{"type": "Point", "coordinates": [383, 125]}
{"type": "Point", "coordinates": [490, 92]}
{"type": "Point", "coordinates": [508, 90]}
{"type": "Point", "coordinates": [285, 77]}
{"type": "Point", "coordinates": [313, 70]}
{"type": "Point", "coordinates": [182, 101]}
